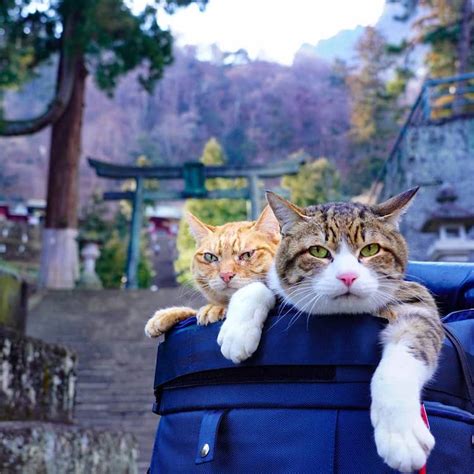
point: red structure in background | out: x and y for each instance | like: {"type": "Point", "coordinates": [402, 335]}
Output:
{"type": "Point", "coordinates": [163, 225]}
{"type": "Point", "coordinates": [30, 212]}
{"type": "Point", "coordinates": [3, 210]}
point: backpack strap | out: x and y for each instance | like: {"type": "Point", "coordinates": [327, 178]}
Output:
{"type": "Point", "coordinates": [465, 366]}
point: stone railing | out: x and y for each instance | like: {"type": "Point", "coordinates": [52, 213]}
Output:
{"type": "Point", "coordinates": [37, 380]}
{"type": "Point", "coordinates": [34, 447]}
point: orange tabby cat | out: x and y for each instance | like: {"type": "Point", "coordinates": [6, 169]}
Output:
{"type": "Point", "coordinates": [227, 258]}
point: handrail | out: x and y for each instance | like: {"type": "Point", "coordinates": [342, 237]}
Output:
{"type": "Point", "coordinates": [446, 80]}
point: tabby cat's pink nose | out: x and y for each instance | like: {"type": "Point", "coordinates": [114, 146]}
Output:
{"type": "Point", "coordinates": [348, 278]}
{"type": "Point", "coordinates": [227, 276]}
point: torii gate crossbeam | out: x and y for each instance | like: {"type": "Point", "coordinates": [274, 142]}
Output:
{"type": "Point", "coordinates": [194, 175]}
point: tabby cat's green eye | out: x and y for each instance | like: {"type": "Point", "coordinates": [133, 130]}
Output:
{"type": "Point", "coordinates": [370, 250]}
{"type": "Point", "coordinates": [319, 252]}
{"type": "Point", "coordinates": [210, 257]}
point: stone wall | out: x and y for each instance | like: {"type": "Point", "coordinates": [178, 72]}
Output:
{"type": "Point", "coordinates": [49, 448]}
{"type": "Point", "coordinates": [37, 395]}
{"type": "Point", "coordinates": [37, 380]}
{"type": "Point", "coordinates": [428, 156]}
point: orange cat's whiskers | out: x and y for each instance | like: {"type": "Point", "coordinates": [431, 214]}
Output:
{"type": "Point", "coordinates": [188, 291]}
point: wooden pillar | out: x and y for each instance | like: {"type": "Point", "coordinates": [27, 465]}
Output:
{"type": "Point", "coordinates": [254, 197]}
{"type": "Point", "coordinates": [134, 243]}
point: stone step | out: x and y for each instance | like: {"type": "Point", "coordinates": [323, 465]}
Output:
{"type": "Point", "coordinates": [116, 361]}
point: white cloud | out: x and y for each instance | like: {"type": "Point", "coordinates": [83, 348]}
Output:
{"type": "Point", "coordinates": [274, 29]}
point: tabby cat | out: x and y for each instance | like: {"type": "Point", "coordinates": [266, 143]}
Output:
{"type": "Point", "coordinates": [351, 258]}
{"type": "Point", "coordinates": [227, 258]}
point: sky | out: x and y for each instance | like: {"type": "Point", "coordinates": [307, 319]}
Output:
{"type": "Point", "coordinates": [267, 29]}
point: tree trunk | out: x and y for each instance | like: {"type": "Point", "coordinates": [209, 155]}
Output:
{"type": "Point", "coordinates": [59, 259]}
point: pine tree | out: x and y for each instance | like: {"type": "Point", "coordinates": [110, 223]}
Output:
{"type": "Point", "coordinates": [375, 109]}
{"type": "Point", "coordinates": [102, 37]}
{"type": "Point", "coordinates": [446, 27]}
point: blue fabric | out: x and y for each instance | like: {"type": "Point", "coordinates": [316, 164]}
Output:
{"type": "Point", "coordinates": [208, 436]}
{"type": "Point", "coordinates": [299, 441]}
{"type": "Point", "coordinates": [349, 343]}
{"type": "Point", "coordinates": [452, 284]}
{"type": "Point", "coordinates": [193, 348]}
{"type": "Point", "coordinates": [300, 404]}
{"type": "Point", "coordinates": [271, 395]}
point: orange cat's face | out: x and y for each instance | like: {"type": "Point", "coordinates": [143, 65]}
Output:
{"type": "Point", "coordinates": [232, 255]}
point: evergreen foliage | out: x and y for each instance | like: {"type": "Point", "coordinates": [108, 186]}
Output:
{"type": "Point", "coordinates": [317, 182]}
{"type": "Point", "coordinates": [446, 27]}
{"type": "Point", "coordinates": [376, 111]}
{"type": "Point", "coordinates": [113, 39]}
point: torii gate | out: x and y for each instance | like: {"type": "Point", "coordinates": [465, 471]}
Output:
{"type": "Point", "coordinates": [194, 175]}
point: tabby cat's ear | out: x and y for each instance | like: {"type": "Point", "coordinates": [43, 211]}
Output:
{"type": "Point", "coordinates": [268, 223]}
{"type": "Point", "coordinates": [392, 209]}
{"type": "Point", "coordinates": [198, 229]}
{"type": "Point", "coordinates": [287, 213]}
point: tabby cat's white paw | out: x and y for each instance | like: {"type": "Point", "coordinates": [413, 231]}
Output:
{"type": "Point", "coordinates": [238, 343]}
{"type": "Point", "coordinates": [241, 332]}
{"type": "Point", "coordinates": [403, 441]}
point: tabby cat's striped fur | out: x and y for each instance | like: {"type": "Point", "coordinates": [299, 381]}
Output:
{"type": "Point", "coordinates": [387, 294]}
{"type": "Point", "coordinates": [351, 258]}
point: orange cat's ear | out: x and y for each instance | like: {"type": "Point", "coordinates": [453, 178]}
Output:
{"type": "Point", "coordinates": [392, 209]}
{"type": "Point", "coordinates": [287, 213]}
{"type": "Point", "coordinates": [198, 229]}
{"type": "Point", "coordinates": [268, 223]}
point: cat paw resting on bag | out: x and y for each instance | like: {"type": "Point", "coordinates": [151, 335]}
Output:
{"type": "Point", "coordinates": [351, 258]}
{"type": "Point", "coordinates": [227, 258]}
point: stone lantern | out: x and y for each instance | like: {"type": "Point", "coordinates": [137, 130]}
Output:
{"type": "Point", "coordinates": [90, 253]}
{"type": "Point", "coordinates": [451, 223]}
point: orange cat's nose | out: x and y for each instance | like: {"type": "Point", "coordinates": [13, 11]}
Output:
{"type": "Point", "coordinates": [227, 276]}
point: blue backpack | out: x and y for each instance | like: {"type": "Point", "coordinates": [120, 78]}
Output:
{"type": "Point", "coordinates": [300, 404]}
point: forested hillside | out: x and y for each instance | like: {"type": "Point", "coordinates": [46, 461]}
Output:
{"type": "Point", "coordinates": [259, 112]}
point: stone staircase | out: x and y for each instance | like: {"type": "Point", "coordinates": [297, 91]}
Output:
{"type": "Point", "coordinates": [115, 360]}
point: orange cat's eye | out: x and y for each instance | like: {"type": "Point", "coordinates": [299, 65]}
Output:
{"type": "Point", "coordinates": [246, 256]}
{"type": "Point", "coordinates": [210, 257]}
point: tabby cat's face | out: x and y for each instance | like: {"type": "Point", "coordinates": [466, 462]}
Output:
{"type": "Point", "coordinates": [233, 255]}
{"type": "Point", "coordinates": [339, 257]}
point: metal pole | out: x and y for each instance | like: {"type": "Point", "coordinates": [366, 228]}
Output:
{"type": "Point", "coordinates": [133, 256]}
{"type": "Point", "coordinates": [254, 197]}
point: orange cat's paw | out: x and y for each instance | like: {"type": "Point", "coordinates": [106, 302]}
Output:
{"type": "Point", "coordinates": [210, 313]}
{"type": "Point", "coordinates": [164, 319]}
